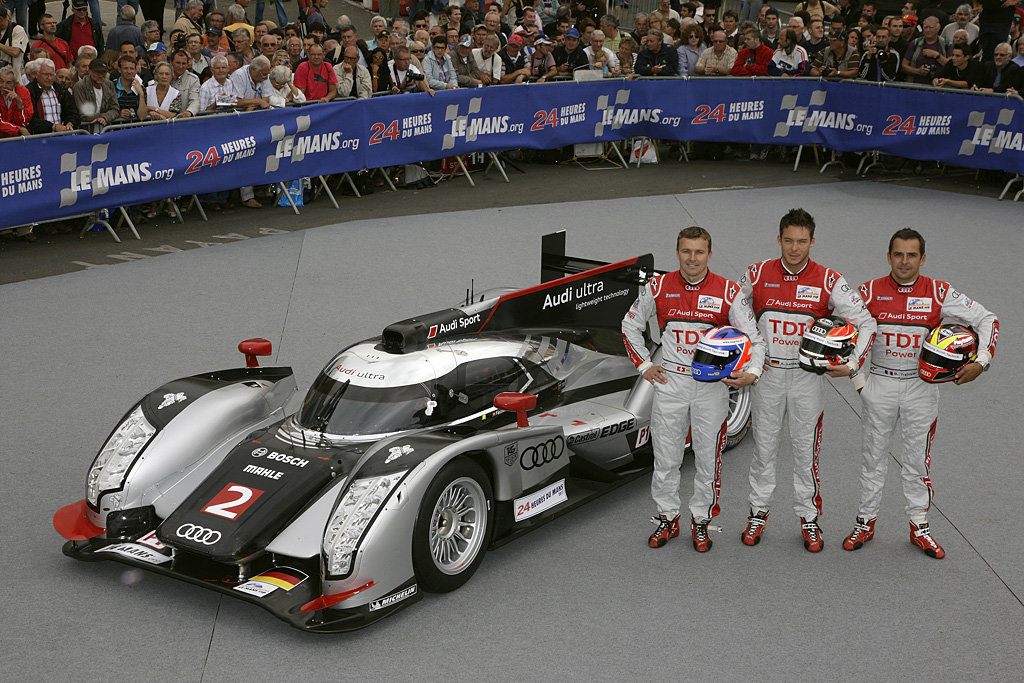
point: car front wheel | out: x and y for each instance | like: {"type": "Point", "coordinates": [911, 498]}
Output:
{"type": "Point", "coordinates": [453, 526]}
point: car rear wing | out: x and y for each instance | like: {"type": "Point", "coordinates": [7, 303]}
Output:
{"type": "Point", "coordinates": [576, 295]}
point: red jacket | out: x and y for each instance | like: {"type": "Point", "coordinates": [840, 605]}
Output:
{"type": "Point", "coordinates": [11, 119]}
{"type": "Point", "coordinates": [753, 63]}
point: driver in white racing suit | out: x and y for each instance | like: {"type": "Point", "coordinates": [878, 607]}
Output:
{"type": "Point", "coordinates": [907, 305]}
{"type": "Point", "coordinates": [787, 295]}
{"type": "Point", "coordinates": [686, 303]}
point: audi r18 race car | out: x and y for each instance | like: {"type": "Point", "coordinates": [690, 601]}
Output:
{"type": "Point", "coordinates": [410, 456]}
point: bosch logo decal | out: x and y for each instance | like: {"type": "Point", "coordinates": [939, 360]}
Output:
{"type": "Point", "coordinates": [394, 598]}
{"type": "Point", "coordinates": [543, 453]}
{"type": "Point", "coordinates": [198, 534]}
{"type": "Point", "coordinates": [511, 454]}
{"type": "Point", "coordinates": [280, 457]}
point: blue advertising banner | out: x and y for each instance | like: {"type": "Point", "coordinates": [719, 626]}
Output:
{"type": "Point", "coordinates": [43, 178]}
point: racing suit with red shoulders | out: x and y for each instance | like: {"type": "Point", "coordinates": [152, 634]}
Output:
{"type": "Point", "coordinates": [905, 315]}
{"type": "Point", "coordinates": [684, 311]}
{"type": "Point", "coordinates": [786, 304]}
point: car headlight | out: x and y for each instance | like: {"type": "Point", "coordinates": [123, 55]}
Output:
{"type": "Point", "coordinates": [354, 513]}
{"type": "Point", "coordinates": [118, 454]}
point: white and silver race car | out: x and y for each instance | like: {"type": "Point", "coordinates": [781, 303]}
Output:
{"type": "Point", "coordinates": [410, 456]}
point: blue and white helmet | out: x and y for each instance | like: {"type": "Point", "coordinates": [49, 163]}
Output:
{"type": "Point", "coordinates": [720, 352]}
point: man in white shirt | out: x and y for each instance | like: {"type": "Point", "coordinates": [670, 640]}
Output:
{"type": "Point", "coordinates": [219, 90]}
{"type": "Point", "coordinates": [488, 61]}
{"type": "Point", "coordinates": [13, 43]}
{"type": "Point", "coordinates": [597, 46]}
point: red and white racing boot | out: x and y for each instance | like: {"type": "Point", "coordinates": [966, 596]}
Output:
{"type": "Point", "coordinates": [755, 527]}
{"type": "Point", "coordinates": [813, 540]}
{"type": "Point", "coordinates": [921, 536]}
{"type": "Point", "coordinates": [701, 542]}
{"type": "Point", "coordinates": [862, 532]}
{"type": "Point", "coordinates": [667, 528]}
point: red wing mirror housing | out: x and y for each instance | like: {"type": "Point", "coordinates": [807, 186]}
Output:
{"type": "Point", "coordinates": [255, 347]}
{"type": "Point", "coordinates": [518, 403]}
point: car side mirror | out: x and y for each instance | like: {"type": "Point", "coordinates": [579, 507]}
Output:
{"type": "Point", "coordinates": [255, 347]}
{"type": "Point", "coordinates": [518, 403]}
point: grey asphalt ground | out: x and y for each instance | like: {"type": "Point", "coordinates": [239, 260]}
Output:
{"type": "Point", "coordinates": [583, 598]}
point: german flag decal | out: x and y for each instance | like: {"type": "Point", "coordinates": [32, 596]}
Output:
{"type": "Point", "coordinates": [269, 581]}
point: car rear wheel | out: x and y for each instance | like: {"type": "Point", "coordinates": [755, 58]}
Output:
{"type": "Point", "coordinates": [738, 422]}
{"type": "Point", "coordinates": [453, 527]}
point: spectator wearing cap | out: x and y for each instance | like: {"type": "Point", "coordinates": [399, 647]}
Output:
{"type": "Point", "coordinates": [467, 73]}
{"type": "Point", "coordinates": [910, 28]}
{"type": "Point", "coordinates": [570, 56]}
{"type": "Point", "coordinates": [542, 61]}
{"type": "Point", "coordinates": [13, 43]}
{"type": "Point", "coordinates": [186, 82]}
{"type": "Point", "coordinates": [15, 105]}
{"type": "Point", "coordinates": [438, 66]}
{"type": "Point", "coordinates": [79, 29]}
{"type": "Point", "coordinates": [53, 105]}
{"type": "Point", "coordinates": [597, 47]}
{"type": "Point", "coordinates": [925, 56]}
{"type": "Point", "coordinates": [353, 78]}
{"type": "Point", "coordinates": [770, 34]}
{"type": "Point", "coordinates": [157, 53]}
{"type": "Point", "coordinates": [838, 60]}
{"type": "Point", "coordinates": [656, 59]}
{"type": "Point", "coordinates": [315, 77]}
{"type": "Point", "coordinates": [95, 96]}
{"type": "Point", "coordinates": [818, 9]}
{"type": "Point", "coordinates": [487, 60]}
{"type": "Point", "coordinates": [215, 40]}
{"type": "Point", "coordinates": [516, 68]}
{"type": "Point", "coordinates": [126, 30]}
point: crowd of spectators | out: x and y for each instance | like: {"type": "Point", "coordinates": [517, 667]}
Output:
{"type": "Point", "coordinates": [63, 75]}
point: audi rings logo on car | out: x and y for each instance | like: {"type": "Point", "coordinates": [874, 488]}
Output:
{"type": "Point", "coordinates": [542, 453]}
{"type": "Point", "coordinates": [259, 452]}
{"type": "Point", "coordinates": [199, 534]}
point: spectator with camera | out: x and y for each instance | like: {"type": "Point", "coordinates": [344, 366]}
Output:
{"type": "Point", "coordinates": [925, 56]}
{"type": "Point", "coordinates": [95, 96]}
{"type": "Point", "coordinates": [404, 76]}
{"type": "Point", "coordinates": [880, 63]}
{"type": "Point", "coordinates": [838, 60]}
{"type": "Point", "coordinates": [130, 93]}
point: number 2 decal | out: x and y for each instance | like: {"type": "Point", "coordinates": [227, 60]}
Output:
{"type": "Point", "coordinates": [232, 501]}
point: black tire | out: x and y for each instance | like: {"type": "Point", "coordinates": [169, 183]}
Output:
{"type": "Point", "coordinates": [453, 526]}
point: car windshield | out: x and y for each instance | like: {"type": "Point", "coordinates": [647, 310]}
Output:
{"type": "Point", "coordinates": [346, 409]}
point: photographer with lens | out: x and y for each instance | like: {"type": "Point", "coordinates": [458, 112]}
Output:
{"type": "Point", "coordinates": [404, 77]}
{"type": "Point", "coordinates": [880, 63]}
